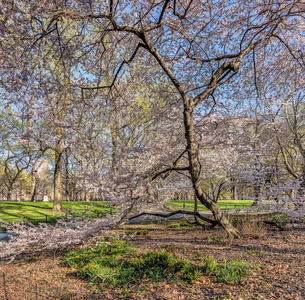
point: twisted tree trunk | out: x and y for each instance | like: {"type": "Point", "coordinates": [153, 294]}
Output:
{"type": "Point", "coordinates": [195, 173]}
{"type": "Point", "coordinates": [192, 148]}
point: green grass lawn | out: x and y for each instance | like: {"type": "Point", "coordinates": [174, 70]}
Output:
{"type": "Point", "coordinates": [224, 204]}
{"type": "Point", "coordinates": [37, 212]}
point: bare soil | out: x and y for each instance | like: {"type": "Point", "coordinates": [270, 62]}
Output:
{"type": "Point", "coordinates": [279, 254]}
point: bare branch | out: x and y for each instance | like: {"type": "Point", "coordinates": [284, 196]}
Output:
{"type": "Point", "coordinates": [163, 11]}
{"type": "Point", "coordinates": [167, 215]}
{"type": "Point", "coordinates": [226, 68]}
{"type": "Point", "coordinates": [170, 170]}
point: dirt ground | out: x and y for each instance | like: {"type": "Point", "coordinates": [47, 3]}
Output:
{"type": "Point", "coordinates": [279, 254]}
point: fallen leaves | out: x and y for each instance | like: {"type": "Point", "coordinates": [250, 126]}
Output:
{"type": "Point", "coordinates": [281, 275]}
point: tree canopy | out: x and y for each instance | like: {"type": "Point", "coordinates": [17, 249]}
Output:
{"type": "Point", "coordinates": [140, 95]}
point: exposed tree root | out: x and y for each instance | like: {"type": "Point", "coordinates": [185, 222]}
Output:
{"type": "Point", "coordinates": [196, 223]}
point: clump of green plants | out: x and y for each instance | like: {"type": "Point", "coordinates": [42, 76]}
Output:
{"type": "Point", "coordinates": [153, 264]}
{"type": "Point", "coordinates": [233, 271]}
{"type": "Point", "coordinates": [238, 221]}
{"type": "Point", "coordinates": [105, 253]}
{"type": "Point", "coordinates": [181, 225]}
{"type": "Point", "coordinates": [174, 225]}
{"type": "Point", "coordinates": [114, 262]}
{"type": "Point", "coordinates": [279, 218]}
{"type": "Point", "coordinates": [137, 232]}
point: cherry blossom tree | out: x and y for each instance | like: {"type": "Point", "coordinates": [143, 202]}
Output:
{"type": "Point", "coordinates": [210, 51]}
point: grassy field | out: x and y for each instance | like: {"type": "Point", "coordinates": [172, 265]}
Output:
{"type": "Point", "coordinates": [37, 212]}
{"type": "Point", "coordinates": [224, 204]}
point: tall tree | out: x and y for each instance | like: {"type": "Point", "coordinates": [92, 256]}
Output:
{"type": "Point", "coordinates": [172, 32]}
{"type": "Point", "coordinates": [206, 49]}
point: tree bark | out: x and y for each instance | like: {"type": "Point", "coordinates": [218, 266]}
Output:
{"type": "Point", "coordinates": [233, 189]}
{"type": "Point", "coordinates": [192, 149]}
{"type": "Point", "coordinates": [67, 179]}
{"type": "Point", "coordinates": [195, 173]}
{"type": "Point", "coordinates": [34, 186]}
{"type": "Point", "coordinates": [9, 194]}
{"type": "Point", "coordinates": [195, 207]}
{"type": "Point", "coordinates": [114, 140]}
{"type": "Point", "coordinates": [257, 191]}
{"type": "Point", "coordinates": [57, 182]}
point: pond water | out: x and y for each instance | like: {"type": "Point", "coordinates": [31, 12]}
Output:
{"type": "Point", "coordinates": [4, 236]}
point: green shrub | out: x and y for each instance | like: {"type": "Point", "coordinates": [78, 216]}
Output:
{"type": "Point", "coordinates": [181, 224]}
{"type": "Point", "coordinates": [96, 272]}
{"type": "Point", "coordinates": [234, 271]}
{"type": "Point", "coordinates": [185, 224]}
{"type": "Point", "coordinates": [153, 264]}
{"type": "Point", "coordinates": [279, 218]}
{"type": "Point", "coordinates": [112, 262]}
{"type": "Point", "coordinates": [138, 232]}
{"type": "Point", "coordinates": [106, 250]}
{"type": "Point", "coordinates": [237, 221]}
{"type": "Point", "coordinates": [174, 225]}
{"type": "Point", "coordinates": [190, 272]}
{"type": "Point", "coordinates": [208, 265]}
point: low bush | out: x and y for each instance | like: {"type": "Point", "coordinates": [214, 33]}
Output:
{"type": "Point", "coordinates": [137, 232]}
{"type": "Point", "coordinates": [114, 262]}
{"type": "Point", "coordinates": [106, 251]}
{"type": "Point", "coordinates": [174, 225]}
{"type": "Point", "coordinates": [185, 224]}
{"type": "Point", "coordinates": [153, 265]}
{"type": "Point", "coordinates": [233, 271]}
{"type": "Point", "coordinates": [279, 218]}
{"type": "Point", "coordinates": [208, 265]}
{"type": "Point", "coordinates": [237, 221]}
{"type": "Point", "coordinates": [181, 225]}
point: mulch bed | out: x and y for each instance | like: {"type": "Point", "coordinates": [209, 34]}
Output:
{"type": "Point", "coordinates": [280, 255]}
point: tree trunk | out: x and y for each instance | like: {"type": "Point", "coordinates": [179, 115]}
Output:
{"type": "Point", "coordinates": [57, 182]}
{"type": "Point", "coordinates": [192, 149]}
{"type": "Point", "coordinates": [34, 186]}
{"type": "Point", "coordinates": [86, 195]}
{"type": "Point", "coordinates": [9, 194]}
{"type": "Point", "coordinates": [150, 194]}
{"type": "Point", "coordinates": [67, 179]}
{"type": "Point", "coordinates": [299, 198]}
{"type": "Point", "coordinates": [233, 189]}
{"type": "Point", "coordinates": [257, 191]}
{"type": "Point", "coordinates": [196, 207]}
{"type": "Point", "coordinates": [114, 141]}
{"type": "Point", "coordinates": [195, 173]}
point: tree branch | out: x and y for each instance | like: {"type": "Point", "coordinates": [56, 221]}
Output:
{"type": "Point", "coordinates": [170, 170]}
{"type": "Point", "coordinates": [226, 68]}
{"type": "Point", "coordinates": [163, 11]}
{"type": "Point", "coordinates": [127, 62]}
{"type": "Point", "coordinates": [164, 215]}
